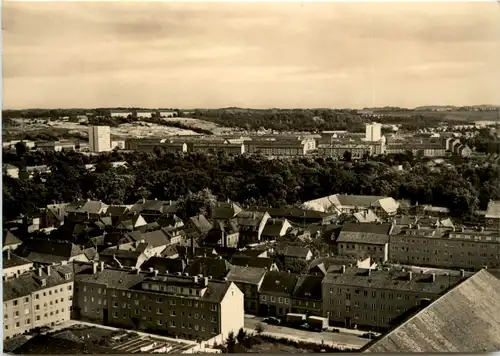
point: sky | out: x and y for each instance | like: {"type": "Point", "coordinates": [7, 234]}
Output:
{"type": "Point", "coordinates": [258, 55]}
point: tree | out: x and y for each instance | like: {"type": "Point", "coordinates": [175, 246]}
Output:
{"type": "Point", "coordinates": [21, 149]}
{"type": "Point", "coordinates": [241, 336]}
{"type": "Point", "coordinates": [193, 204]}
{"type": "Point", "coordinates": [230, 342]}
{"type": "Point", "coordinates": [347, 156]}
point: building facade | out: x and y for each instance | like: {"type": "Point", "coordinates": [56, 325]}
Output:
{"type": "Point", "coordinates": [99, 138]}
{"type": "Point", "coordinates": [41, 297]}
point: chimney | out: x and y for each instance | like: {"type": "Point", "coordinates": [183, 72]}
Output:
{"type": "Point", "coordinates": [155, 272]}
{"type": "Point", "coordinates": [205, 281]}
{"type": "Point", "coordinates": [410, 275]}
{"type": "Point", "coordinates": [40, 272]}
{"type": "Point", "coordinates": [433, 276]}
{"type": "Point", "coordinates": [343, 269]}
{"type": "Point", "coordinates": [143, 200]}
{"type": "Point", "coordinates": [462, 273]}
{"type": "Point", "coordinates": [94, 267]}
{"type": "Point", "coordinates": [195, 279]}
{"type": "Point", "coordinates": [151, 269]}
{"type": "Point", "coordinates": [102, 265]}
{"type": "Point", "coordinates": [418, 226]}
{"type": "Point", "coordinates": [369, 271]}
{"type": "Point", "coordinates": [482, 228]}
{"type": "Point", "coordinates": [137, 271]}
{"type": "Point", "coordinates": [48, 270]}
{"type": "Point", "coordinates": [463, 229]}
{"type": "Point", "coordinates": [8, 254]}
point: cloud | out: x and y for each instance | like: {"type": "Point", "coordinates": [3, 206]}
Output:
{"type": "Point", "coordinates": [233, 51]}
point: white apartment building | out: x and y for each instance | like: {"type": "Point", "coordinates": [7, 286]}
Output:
{"type": "Point", "coordinates": [373, 132]}
{"type": "Point", "coordinates": [99, 138]}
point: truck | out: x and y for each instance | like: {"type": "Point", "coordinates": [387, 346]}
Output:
{"type": "Point", "coordinates": [295, 320]}
{"type": "Point", "coordinates": [317, 323]}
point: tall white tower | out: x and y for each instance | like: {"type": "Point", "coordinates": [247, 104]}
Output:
{"type": "Point", "coordinates": [99, 138]}
{"type": "Point", "coordinates": [373, 132]}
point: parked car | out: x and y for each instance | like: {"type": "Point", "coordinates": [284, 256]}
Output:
{"type": "Point", "coordinates": [369, 336]}
{"type": "Point", "coordinates": [272, 320]}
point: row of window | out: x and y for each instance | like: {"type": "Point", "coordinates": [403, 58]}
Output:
{"type": "Point", "coordinates": [364, 317]}
{"type": "Point", "coordinates": [382, 307]}
{"type": "Point", "coordinates": [171, 323]}
{"type": "Point", "coordinates": [26, 300]}
{"type": "Point", "coordinates": [374, 294]}
{"type": "Point", "coordinates": [272, 299]}
{"type": "Point", "coordinates": [37, 318]}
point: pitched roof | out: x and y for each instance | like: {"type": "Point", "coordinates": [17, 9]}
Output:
{"type": "Point", "coordinates": [169, 251]}
{"type": "Point", "coordinates": [156, 238]}
{"type": "Point", "coordinates": [110, 277]}
{"type": "Point", "coordinates": [367, 233]}
{"type": "Point", "coordinates": [466, 319]}
{"type": "Point", "coordinates": [250, 218]}
{"type": "Point", "coordinates": [279, 283]}
{"type": "Point", "coordinates": [46, 251]}
{"type": "Point", "coordinates": [114, 210]}
{"type": "Point", "coordinates": [273, 227]}
{"type": "Point", "coordinates": [249, 275]}
{"type": "Point", "coordinates": [165, 265]}
{"type": "Point", "coordinates": [10, 239]}
{"type": "Point", "coordinates": [343, 200]}
{"type": "Point", "coordinates": [224, 211]}
{"type": "Point", "coordinates": [308, 287]}
{"type": "Point", "coordinates": [201, 223]}
{"type": "Point", "coordinates": [209, 266]}
{"type": "Point", "coordinates": [366, 216]}
{"type": "Point", "coordinates": [493, 210]}
{"type": "Point", "coordinates": [260, 262]}
{"type": "Point", "coordinates": [10, 260]}
{"type": "Point", "coordinates": [30, 282]}
{"type": "Point", "coordinates": [293, 213]}
{"type": "Point", "coordinates": [91, 207]}
{"type": "Point", "coordinates": [296, 251]}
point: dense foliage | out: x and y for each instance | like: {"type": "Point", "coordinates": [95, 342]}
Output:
{"type": "Point", "coordinates": [245, 179]}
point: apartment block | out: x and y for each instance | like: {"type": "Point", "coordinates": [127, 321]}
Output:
{"type": "Point", "coordinates": [188, 307]}
{"type": "Point", "coordinates": [280, 148]}
{"type": "Point", "coordinates": [149, 145]}
{"type": "Point", "coordinates": [276, 292]}
{"type": "Point", "coordinates": [337, 150]}
{"type": "Point", "coordinates": [365, 239]}
{"type": "Point", "coordinates": [208, 146]}
{"type": "Point", "coordinates": [36, 298]}
{"type": "Point", "coordinates": [376, 298]}
{"type": "Point", "coordinates": [470, 249]}
{"type": "Point", "coordinates": [99, 138]}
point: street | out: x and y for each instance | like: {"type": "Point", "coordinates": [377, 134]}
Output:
{"type": "Point", "coordinates": [328, 337]}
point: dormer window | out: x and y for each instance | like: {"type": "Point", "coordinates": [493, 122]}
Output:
{"type": "Point", "coordinates": [67, 276]}
{"type": "Point", "coordinates": [43, 282]}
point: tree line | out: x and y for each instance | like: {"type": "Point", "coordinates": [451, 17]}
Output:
{"type": "Point", "coordinates": [250, 180]}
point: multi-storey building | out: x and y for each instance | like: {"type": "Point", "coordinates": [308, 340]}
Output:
{"type": "Point", "coordinates": [248, 280]}
{"type": "Point", "coordinates": [36, 298]}
{"type": "Point", "coordinates": [14, 265]}
{"type": "Point", "coordinates": [276, 293]}
{"type": "Point", "coordinates": [214, 146]}
{"type": "Point", "coordinates": [194, 308]}
{"type": "Point", "coordinates": [307, 295]}
{"type": "Point", "coordinates": [337, 150]}
{"type": "Point", "coordinates": [376, 298]}
{"type": "Point", "coordinates": [468, 249]}
{"type": "Point", "coordinates": [188, 307]}
{"type": "Point", "coordinates": [492, 215]}
{"type": "Point", "coordinates": [277, 148]}
{"type": "Point", "coordinates": [99, 138]}
{"type": "Point", "coordinates": [365, 239]}
{"type": "Point", "coordinates": [418, 149]}
{"type": "Point", "coordinates": [149, 145]}
{"type": "Point", "coordinates": [373, 132]}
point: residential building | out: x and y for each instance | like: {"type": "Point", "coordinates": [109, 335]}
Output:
{"type": "Point", "coordinates": [37, 298]}
{"type": "Point", "coordinates": [252, 224]}
{"type": "Point", "coordinates": [276, 228]}
{"type": "Point", "coordinates": [10, 241]}
{"type": "Point", "coordinates": [348, 204]}
{"type": "Point", "coordinates": [152, 210]}
{"type": "Point", "coordinates": [470, 249]}
{"type": "Point", "coordinates": [292, 253]}
{"type": "Point", "coordinates": [123, 114]}
{"type": "Point", "coordinates": [451, 323]}
{"type": "Point", "coordinates": [307, 296]}
{"type": "Point", "coordinates": [225, 211]}
{"type": "Point", "coordinates": [337, 150]}
{"type": "Point", "coordinates": [249, 281]}
{"type": "Point", "coordinates": [369, 239]}
{"type": "Point", "coordinates": [195, 308]}
{"type": "Point", "coordinates": [276, 292]}
{"type": "Point", "coordinates": [298, 215]}
{"type": "Point", "coordinates": [224, 234]}
{"type": "Point", "coordinates": [278, 147]}
{"type": "Point", "coordinates": [239, 259]}
{"type": "Point", "coordinates": [48, 252]}
{"type": "Point", "coordinates": [118, 144]}
{"type": "Point", "coordinates": [373, 132]}
{"type": "Point", "coordinates": [13, 265]}
{"type": "Point", "coordinates": [210, 146]}
{"type": "Point", "coordinates": [213, 267]}
{"type": "Point", "coordinates": [57, 146]}
{"type": "Point", "coordinates": [377, 298]}
{"type": "Point", "coordinates": [321, 265]}
{"type": "Point", "coordinates": [164, 265]}
{"type": "Point", "coordinates": [121, 258]}
{"type": "Point", "coordinates": [99, 138]}
{"type": "Point", "coordinates": [149, 145]}
{"type": "Point", "coordinates": [85, 210]}
{"type": "Point", "coordinates": [197, 227]}
{"type": "Point", "coordinates": [492, 214]}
